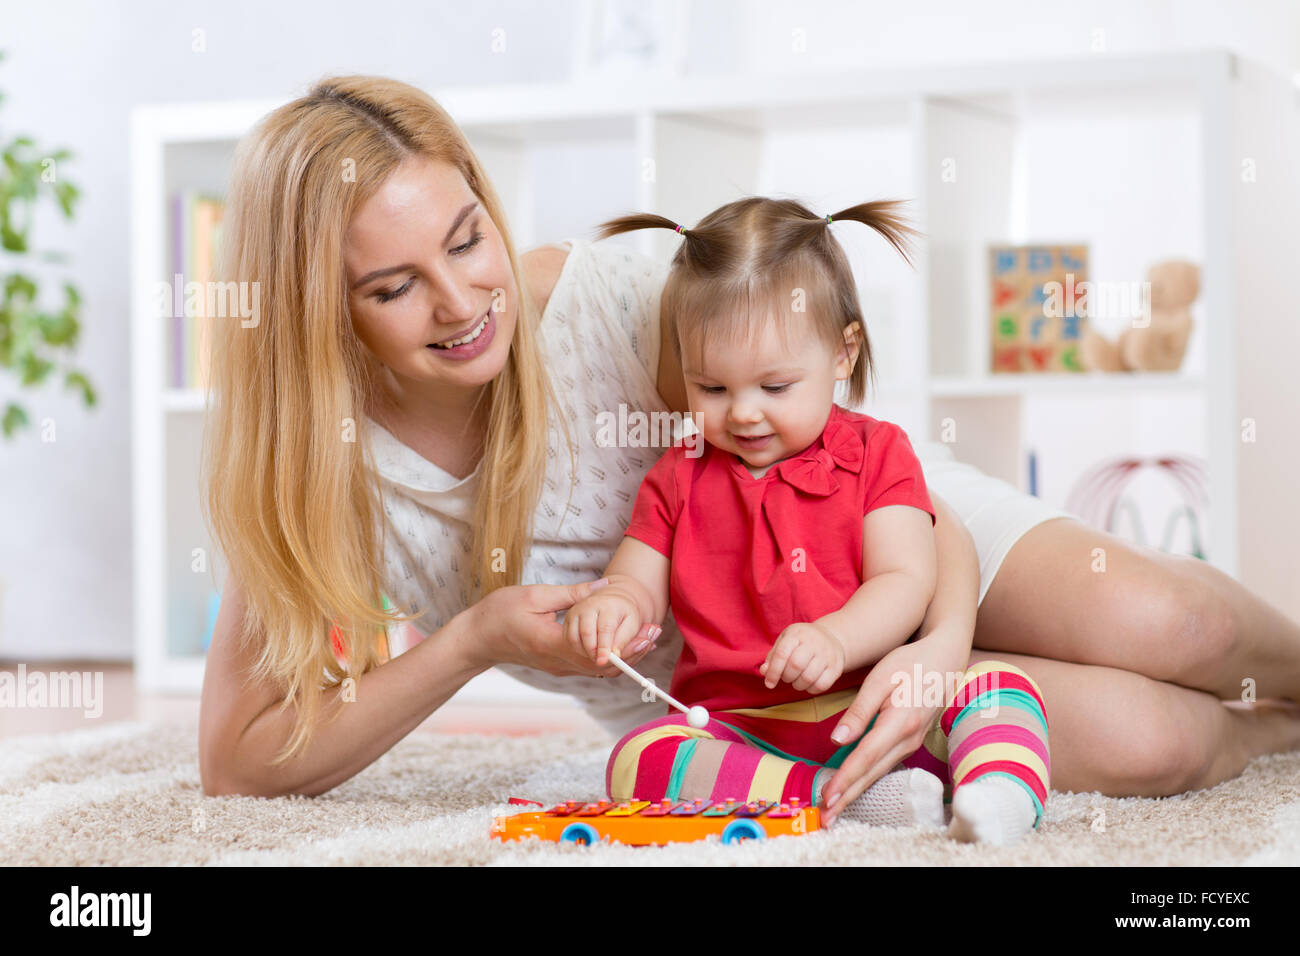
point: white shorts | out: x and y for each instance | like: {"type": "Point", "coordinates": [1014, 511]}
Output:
{"type": "Point", "coordinates": [995, 513]}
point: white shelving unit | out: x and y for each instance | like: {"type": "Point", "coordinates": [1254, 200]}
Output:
{"type": "Point", "coordinates": [1142, 158]}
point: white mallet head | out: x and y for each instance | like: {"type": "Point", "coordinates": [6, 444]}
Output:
{"type": "Point", "coordinates": [697, 717]}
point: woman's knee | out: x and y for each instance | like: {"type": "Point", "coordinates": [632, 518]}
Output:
{"type": "Point", "coordinates": [1120, 732]}
{"type": "Point", "coordinates": [1195, 620]}
{"type": "Point", "coordinates": [1167, 746]}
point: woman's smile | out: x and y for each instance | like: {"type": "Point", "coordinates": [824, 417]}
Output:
{"type": "Point", "coordinates": [469, 345]}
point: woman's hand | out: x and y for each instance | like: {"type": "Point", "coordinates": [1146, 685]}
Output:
{"type": "Point", "coordinates": [517, 625]}
{"type": "Point", "coordinates": [903, 712]}
{"type": "Point", "coordinates": [943, 649]}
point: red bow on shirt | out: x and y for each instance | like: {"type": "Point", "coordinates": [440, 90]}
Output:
{"type": "Point", "coordinates": [813, 471]}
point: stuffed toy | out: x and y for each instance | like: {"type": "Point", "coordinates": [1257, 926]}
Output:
{"type": "Point", "coordinates": [1158, 347]}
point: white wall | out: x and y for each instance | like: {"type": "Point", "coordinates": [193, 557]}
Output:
{"type": "Point", "coordinates": [845, 33]}
{"type": "Point", "coordinates": [75, 69]}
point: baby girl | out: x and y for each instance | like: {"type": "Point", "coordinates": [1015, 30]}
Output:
{"type": "Point", "coordinates": [796, 551]}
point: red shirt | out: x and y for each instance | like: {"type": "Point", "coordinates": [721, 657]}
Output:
{"type": "Point", "coordinates": [751, 556]}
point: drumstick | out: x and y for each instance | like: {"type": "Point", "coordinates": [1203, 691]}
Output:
{"type": "Point", "coordinates": [696, 716]}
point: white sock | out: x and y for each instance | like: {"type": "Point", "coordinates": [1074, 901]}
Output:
{"type": "Point", "coordinates": [904, 798]}
{"type": "Point", "coordinates": [992, 810]}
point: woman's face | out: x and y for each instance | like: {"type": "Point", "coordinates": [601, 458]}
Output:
{"type": "Point", "coordinates": [426, 267]}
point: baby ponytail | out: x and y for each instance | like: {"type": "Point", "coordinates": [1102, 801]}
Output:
{"type": "Point", "coordinates": [701, 247]}
{"type": "Point", "coordinates": [885, 217]}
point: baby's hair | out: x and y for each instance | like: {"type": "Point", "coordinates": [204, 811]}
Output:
{"type": "Point", "coordinates": [767, 251]}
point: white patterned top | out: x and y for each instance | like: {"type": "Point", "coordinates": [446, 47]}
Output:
{"type": "Point", "coordinates": [600, 341]}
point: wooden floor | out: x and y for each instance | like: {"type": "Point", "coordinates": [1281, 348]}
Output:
{"type": "Point", "coordinates": [121, 701]}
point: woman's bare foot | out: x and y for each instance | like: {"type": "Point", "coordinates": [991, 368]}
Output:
{"type": "Point", "coordinates": [1247, 731]}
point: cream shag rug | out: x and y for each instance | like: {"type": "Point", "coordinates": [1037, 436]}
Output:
{"type": "Point", "coordinates": [128, 794]}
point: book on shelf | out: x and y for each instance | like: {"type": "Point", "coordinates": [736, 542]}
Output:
{"type": "Point", "coordinates": [196, 241]}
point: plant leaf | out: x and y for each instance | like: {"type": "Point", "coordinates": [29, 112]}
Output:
{"type": "Point", "coordinates": [14, 419]}
{"type": "Point", "coordinates": [79, 381]}
{"type": "Point", "coordinates": [35, 369]}
{"type": "Point", "coordinates": [67, 195]}
{"type": "Point", "coordinates": [10, 240]}
{"type": "Point", "coordinates": [18, 284]}
{"type": "Point", "coordinates": [58, 330]}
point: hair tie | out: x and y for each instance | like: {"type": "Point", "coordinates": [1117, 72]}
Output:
{"type": "Point", "coordinates": [679, 230]}
{"type": "Point", "coordinates": [828, 220]}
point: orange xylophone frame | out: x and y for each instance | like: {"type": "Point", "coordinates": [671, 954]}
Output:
{"type": "Point", "coordinates": [643, 823]}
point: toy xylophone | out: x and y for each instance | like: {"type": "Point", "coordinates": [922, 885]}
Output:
{"type": "Point", "coordinates": [646, 823]}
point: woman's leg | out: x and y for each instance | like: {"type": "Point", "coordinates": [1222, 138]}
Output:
{"type": "Point", "coordinates": [1071, 593]}
{"type": "Point", "coordinates": [1127, 735]}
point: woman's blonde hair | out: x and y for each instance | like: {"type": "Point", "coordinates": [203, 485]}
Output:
{"type": "Point", "coordinates": [291, 496]}
{"type": "Point", "coordinates": [773, 256]}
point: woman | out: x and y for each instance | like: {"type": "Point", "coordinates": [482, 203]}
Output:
{"type": "Point", "coordinates": [383, 431]}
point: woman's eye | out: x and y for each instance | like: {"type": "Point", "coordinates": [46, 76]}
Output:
{"type": "Point", "coordinates": [775, 389]}
{"type": "Point", "coordinates": [474, 240]}
{"type": "Point", "coordinates": [390, 296]}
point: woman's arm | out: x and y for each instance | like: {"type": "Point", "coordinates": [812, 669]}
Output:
{"type": "Point", "coordinates": [542, 267]}
{"type": "Point", "coordinates": [241, 724]}
{"type": "Point", "coordinates": [903, 712]}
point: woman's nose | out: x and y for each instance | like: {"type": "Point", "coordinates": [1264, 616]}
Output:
{"type": "Point", "coordinates": [456, 305]}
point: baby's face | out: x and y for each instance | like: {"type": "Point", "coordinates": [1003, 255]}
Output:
{"type": "Point", "coordinates": [781, 397]}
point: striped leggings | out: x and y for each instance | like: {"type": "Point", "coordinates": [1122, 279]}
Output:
{"type": "Point", "coordinates": [994, 723]}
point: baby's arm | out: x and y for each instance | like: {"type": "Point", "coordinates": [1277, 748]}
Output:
{"type": "Point", "coordinates": [898, 570]}
{"type": "Point", "coordinates": [637, 592]}
{"type": "Point", "coordinates": [898, 576]}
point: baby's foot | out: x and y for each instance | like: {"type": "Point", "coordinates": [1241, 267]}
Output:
{"type": "Point", "coordinates": [905, 798]}
{"type": "Point", "coordinates": [992, 810]}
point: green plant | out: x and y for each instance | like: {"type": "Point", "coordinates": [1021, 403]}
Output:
{"type": "Point", "coordinates": [33, 337]}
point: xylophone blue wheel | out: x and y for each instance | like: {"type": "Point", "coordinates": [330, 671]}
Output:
{"type": "Point", "coordinates": [583, 833]}
{"type": "Point", "coordinates": [743, 829]}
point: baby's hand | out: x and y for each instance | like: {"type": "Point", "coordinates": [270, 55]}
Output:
{"type": "Point", "coordinates": [805, 655]}
{"type": "Point", "coordinates": [605, 621]}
